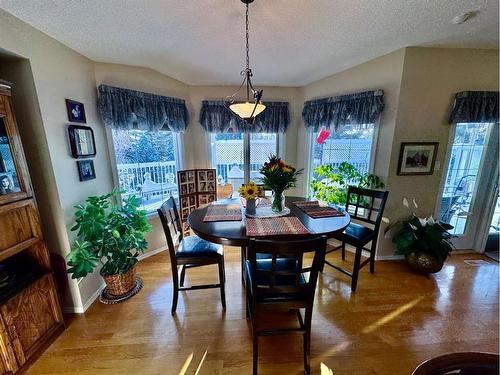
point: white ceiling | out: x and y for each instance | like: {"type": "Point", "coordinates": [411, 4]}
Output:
{"type": "Point", "coordinates": [292, 42]}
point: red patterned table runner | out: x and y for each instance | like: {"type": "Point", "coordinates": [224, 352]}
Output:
{"type": "Point", "coordinates": [313, 209]}
{"type": "Point", "coordinates": [223, 212]}
{"type": "Point", "coordinates": [274, 226]}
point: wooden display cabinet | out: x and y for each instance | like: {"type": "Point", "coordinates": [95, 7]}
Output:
{"type": "Point", "coordinates": [30, 313]}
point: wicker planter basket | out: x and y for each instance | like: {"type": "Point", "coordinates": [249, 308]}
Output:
{"type": "Point", "coordinates": [120, 283]}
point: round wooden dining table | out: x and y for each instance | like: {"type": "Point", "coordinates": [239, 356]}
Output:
{"type": "Point", "coordinates": [233, 233]}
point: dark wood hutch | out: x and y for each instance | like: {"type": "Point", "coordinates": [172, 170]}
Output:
{"type": "Point", "coordinates": [30, 313]}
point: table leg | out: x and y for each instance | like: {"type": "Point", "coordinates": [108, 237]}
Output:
{"type": "Point", "coordinates": [243, 258]}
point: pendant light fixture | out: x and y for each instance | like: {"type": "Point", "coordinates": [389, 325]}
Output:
{"type": "Point", "coordinates": [249, 109]}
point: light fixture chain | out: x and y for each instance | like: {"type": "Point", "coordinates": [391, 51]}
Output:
{"type": "Point", "coordinates": [247, 40]}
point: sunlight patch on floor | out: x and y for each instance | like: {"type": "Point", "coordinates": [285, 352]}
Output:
{"type": "Point", "coordinates": [386, 319]}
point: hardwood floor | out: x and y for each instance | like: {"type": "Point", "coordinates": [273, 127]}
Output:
{"type": "Point", "coordinates": [395, 320]}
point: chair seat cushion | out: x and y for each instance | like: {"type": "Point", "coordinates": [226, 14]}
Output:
{"type": "Point", "coordinates": [194, 246]}
{"type": "Point", "coordinates": [356, 235]}
{"type": "Point", "coordinates": [263, 279]}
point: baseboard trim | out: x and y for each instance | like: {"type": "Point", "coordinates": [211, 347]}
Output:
{"type": "Point", "coordinates": [90, 301]}
{"type": "Point", "coordinates": [389, 257]}
{"type": "Point", "coordinates": [151, 253]}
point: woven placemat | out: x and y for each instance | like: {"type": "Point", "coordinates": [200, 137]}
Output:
{"type": "Point", "coordinates": [274, 226]}
{"type": "Point", "coordinates": [110, 299]}
{"type": "Point", "coordinates": [223, 212]}
{"type": "Point", "coordinates": [314, 210]}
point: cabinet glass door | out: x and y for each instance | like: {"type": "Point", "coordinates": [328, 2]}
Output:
{"type": "Point", "coordinates": [9, 180]}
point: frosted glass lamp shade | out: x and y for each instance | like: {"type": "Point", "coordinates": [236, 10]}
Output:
{"type": "Point", "coordinates": [244, 110]}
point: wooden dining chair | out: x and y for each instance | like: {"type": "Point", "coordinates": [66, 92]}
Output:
{"type": "Point", "coordinates": [364, 205]}
{"type": "Point", "coordinates": [281, 282]}
{"type": "Point", "coordinates": [191, 251]}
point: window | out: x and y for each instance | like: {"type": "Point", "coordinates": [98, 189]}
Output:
{"type": "Point", "coordinates": [235, 155]}
{"type": "Point", "coordinates": [147, 166]}
{"type": "Point", "coordinates": [467, 153]}
{"type": "Point", "coordinates": [350, 143]}
{"type": "Point", "coordinates": [261, 146]}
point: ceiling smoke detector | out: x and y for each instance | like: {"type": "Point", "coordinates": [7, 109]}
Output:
{"type": "Point", "coordinates": [464, 17]}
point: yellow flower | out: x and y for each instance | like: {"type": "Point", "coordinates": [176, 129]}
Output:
{"type": "Point", "coordinates": [287, 170]}
{"type": "Point", "coordinates": [249, 191]}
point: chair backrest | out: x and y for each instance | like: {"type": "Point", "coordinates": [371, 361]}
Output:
{"type": "Point", "coordinates": [366, 205]}
{"type": "Point", "coordinates": [171, 223]}
{"type": "Point", "coordinates": [292, 279]}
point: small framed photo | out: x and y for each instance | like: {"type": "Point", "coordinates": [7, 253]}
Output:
{"type": "Point", "coordinates": [417, 158]}
{"type": "Point", "coordinates": [202, 176]}
{"type": "Point", "coordinates": [211, 175]}
{"type": "Point", "coordinates": [192, 200]}
{"type": "Point", "coordinates": [76, 111]}
{"type": "Point", "coordinates": [86, 169]}
{"type": "Point", "coordinates": [81, 140]}
{"type": "Point", "coordinates": [184, 202]}
{"type": "Point", "coordinates": [8, 182]}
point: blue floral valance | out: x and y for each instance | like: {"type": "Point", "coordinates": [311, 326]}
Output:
{"type": "Point", "coordinates": [129, 109]}
{"type": "Point", "coordinates": [359, 109]}
{"type": "Point", "coordinates": [216, 118]}
{"type": "Point", "coordinates": [475, 106]}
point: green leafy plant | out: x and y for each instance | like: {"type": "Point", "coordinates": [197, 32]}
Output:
{"type": "Point", "coordinates": [107, 234]}
{"type": "Point", "coordinates": [416, 234]}
{"type": "Point", "coordinates": [332, 183]}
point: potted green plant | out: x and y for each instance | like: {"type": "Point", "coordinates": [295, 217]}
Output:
{"type": "Point", "coordinates": [111, 235]}
{"type": "Point", "coordinates": [425, 242]}
{"type": "Point", "coordinates": [333, 183]}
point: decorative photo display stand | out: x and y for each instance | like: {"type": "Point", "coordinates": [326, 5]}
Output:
{"type": "Point", "coordinates": [196, 187]}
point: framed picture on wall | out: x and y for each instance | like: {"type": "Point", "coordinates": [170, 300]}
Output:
{"type": "Point", "coordinates": [81, 140]}
{"type": "Point", "coordinates": [417, 158]}
{"type": "Point", "coordinates": [86, 170]}
{"type": "Point", "coordinates": [76, 111]}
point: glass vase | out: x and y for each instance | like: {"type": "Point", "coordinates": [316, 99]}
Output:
{"type": "Point", "coordinates": [278, 204]}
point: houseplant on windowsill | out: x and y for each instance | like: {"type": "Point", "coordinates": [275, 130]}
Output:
{"type": "Point", "coordinates": [110, 235]}
{"type": "Point", "coordinates": [425, 242]}
{"type": "Point", "coordinates": [332, 188]}
{"type": "Point", "coordinates": [278, 177]}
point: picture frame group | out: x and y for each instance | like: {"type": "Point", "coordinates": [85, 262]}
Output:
{"type": "Point", "coordinates": [196, 187]}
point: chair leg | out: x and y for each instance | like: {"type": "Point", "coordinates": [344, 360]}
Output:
{"type": "Point", "coordinates": [175, 295]}
{"type": "Point", "coordinates": [243, 251]}
{"type": "Point", "coordinates": [307, 340]}
{"type": "Point", "coordinates": [255, 352]}
{"type": "Point", "coordinates": [222, 283]}
{"type": "Point", "coordinates": [183, 275]}
{"type": "Point", "coordinates": [343, 250]}
{"type": "Point", "coordinates": [355, 271]}
{"type": "Point", "coordinates": [372, 256]}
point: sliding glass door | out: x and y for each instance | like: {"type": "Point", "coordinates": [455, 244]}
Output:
{"type": "Point", "coordinates": [472, 172]}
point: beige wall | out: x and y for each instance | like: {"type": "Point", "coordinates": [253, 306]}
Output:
{"type": "Point", "coordinates": [431, 78]}
{"type": "Point", "coordinates": [381, 73]}
{"type": "Point", "coordinates": [419, 84]}
{"type": "Point", "coordinates": [57, 73]}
